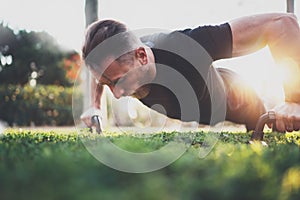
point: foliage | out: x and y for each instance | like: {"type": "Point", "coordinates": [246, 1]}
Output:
{"type": "Point", "coordinates": [72, 65]}
{"type": "Point", "coordinates": [41, 105]}
{"type": "Point", "coordinates": [56, 165]}
{"type": "Point", "coordinates": [32, 52]}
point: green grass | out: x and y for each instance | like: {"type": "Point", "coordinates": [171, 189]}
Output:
{"type": "Point", "coordinates": [56, 165]}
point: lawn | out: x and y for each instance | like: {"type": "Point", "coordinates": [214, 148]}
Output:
{"type": "Point", "coordinates": [56, 165]}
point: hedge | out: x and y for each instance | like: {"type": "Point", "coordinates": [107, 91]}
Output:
{"type": "Point", "coordinates": [41, 105]}
{"type": "Point", "coordinates": [56, 165]}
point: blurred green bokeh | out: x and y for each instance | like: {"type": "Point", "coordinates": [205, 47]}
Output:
{"type": "Point", "coordinates": [56, 165]}
{"type": "Point", "coordinates": [41, 105]}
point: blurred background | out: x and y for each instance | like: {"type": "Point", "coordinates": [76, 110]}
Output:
{"type": "Point", "coordinates": [40, 42]}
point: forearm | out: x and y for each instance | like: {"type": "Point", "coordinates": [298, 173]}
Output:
{"type": "Point", "coordinates": [96, 94]}
{"type": "Point", "coordinates": [285, 48]}
{"type": "Point", "coordinates": [292, 88]}
{"type": "Point", "coordinates": [97, 91]}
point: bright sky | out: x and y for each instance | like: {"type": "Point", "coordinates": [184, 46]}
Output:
{"type": "Point", "coordinates": [64, 19]}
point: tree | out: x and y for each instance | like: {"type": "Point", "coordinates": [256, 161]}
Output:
{"type": "Point", "coordinates": [27, 55]}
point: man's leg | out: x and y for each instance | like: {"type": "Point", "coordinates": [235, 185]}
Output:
{"type": "Point", "coordinates": [243, 104]}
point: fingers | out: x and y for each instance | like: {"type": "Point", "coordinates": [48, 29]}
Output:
{"type": "Point", "coordinates": [287, 123]}
{"type": "Point", "coordinates": [86, 117]}
{"type": "Point", "coordinates": [287, 117]}
{"type": "Point", "coordinates": [280, 125]}
{"type": "Point", "coordinates": [296, 123]}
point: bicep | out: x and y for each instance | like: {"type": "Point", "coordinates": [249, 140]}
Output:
{"type": "Point", "coordinates": [249, 34]}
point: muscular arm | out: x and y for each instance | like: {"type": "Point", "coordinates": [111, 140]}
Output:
{"type": "Point", "coordinates": [282, 35]}
{"type": "Point", "coordinates": [97, 91]}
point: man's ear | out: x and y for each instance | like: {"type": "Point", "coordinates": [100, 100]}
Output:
{"type": "Point", "coordinates": [141, 55]}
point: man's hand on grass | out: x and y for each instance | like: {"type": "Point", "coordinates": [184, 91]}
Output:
{"type": "Point", "coordinates": [287, 117]}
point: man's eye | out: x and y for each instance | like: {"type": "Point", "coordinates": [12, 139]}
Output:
{"type": "Point", "coordinates": [119, 81]}
{"type": "Point", "coordinates": [115, 82]}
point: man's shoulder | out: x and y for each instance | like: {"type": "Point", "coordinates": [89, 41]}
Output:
{"type": "Point", "coordinates": [154, 39]}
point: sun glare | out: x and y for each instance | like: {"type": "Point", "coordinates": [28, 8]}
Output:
{"type": "Point", "coordinates": [289, 70]}
{"type": "Point", "coordinates": [264, 75]}
{"type": "Point", "coordinates": [269, 83]}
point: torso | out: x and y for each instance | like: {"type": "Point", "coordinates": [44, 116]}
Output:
{"type": "Point", "coordinates": [181, 85]}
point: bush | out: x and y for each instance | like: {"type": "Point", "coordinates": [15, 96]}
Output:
{"type": "Point", "coordinates": [56, 165]}
{"type": "Point", "coordinates": [42, 105]}
{"type": "Point", "coordinates": [38, 52]}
